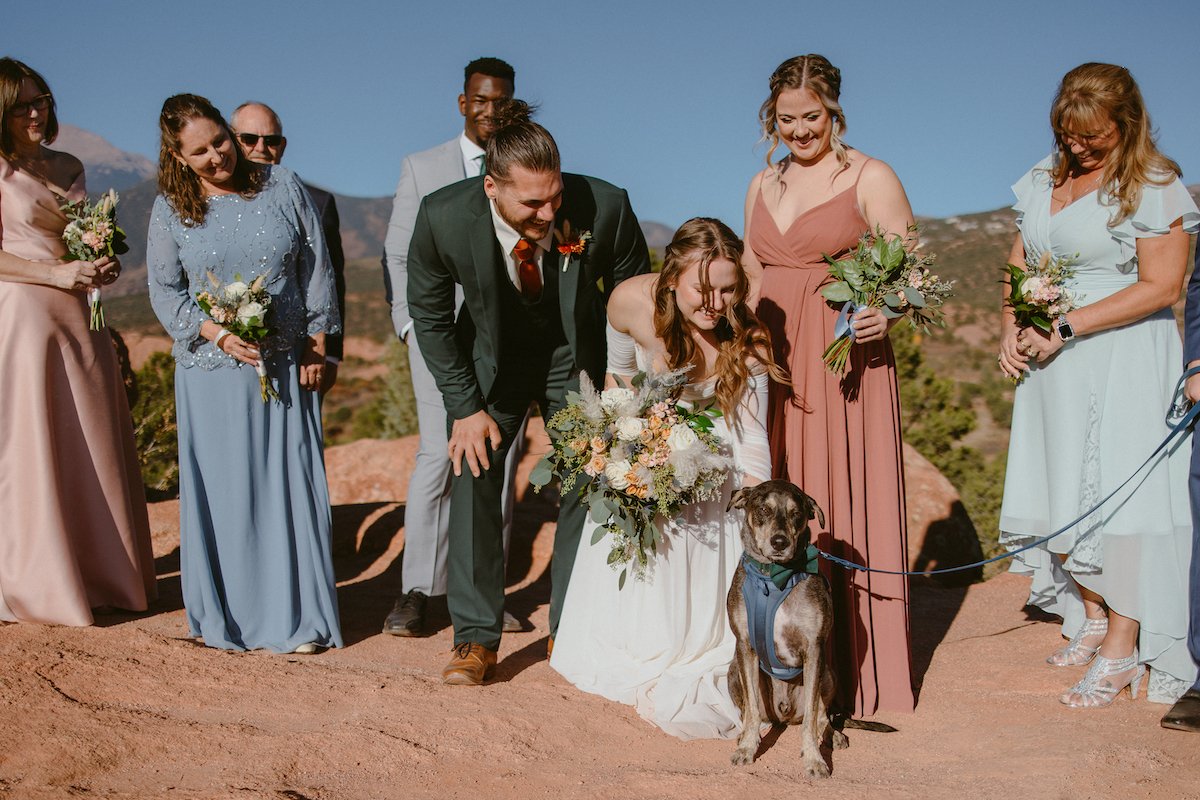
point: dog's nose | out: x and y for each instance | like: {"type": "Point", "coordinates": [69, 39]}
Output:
{"type": "Point", "coordinates": [779, 541]}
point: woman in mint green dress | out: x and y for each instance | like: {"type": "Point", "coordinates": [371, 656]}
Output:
{"type": "Point", "coordinates": [1095, 391]}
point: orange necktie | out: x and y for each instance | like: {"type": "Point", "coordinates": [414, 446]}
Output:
{"type": "Point", "coordinates": [527, 271]}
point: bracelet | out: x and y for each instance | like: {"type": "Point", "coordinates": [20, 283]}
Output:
{"type": "Point", "coordinates": [217, 341]}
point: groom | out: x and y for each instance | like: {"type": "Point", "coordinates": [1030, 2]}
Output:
{"type": "Point", "coordinates": [532, 318]}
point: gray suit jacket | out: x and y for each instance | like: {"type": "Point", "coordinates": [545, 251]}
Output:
{"type": "Point", "coordinates": [421, 174]}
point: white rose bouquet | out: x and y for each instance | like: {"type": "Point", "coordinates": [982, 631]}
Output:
{"type": "Point", "coordinates": [242, 310]}
{"type": "Point", "coordinates": [92, 232]}
{"type": "Point", "coordinates": [641, 455]}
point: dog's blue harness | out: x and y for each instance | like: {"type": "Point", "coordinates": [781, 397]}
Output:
{"type": "Point", "coordinates": [765, 588]}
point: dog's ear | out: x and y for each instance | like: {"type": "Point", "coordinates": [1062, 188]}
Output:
{"type": "Point", "coordinates": [815, 510]}
{"type": "Point", "coordinates": [738, 499]}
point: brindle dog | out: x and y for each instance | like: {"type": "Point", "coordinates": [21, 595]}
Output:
{"type": "Point", "coordinates": [776, 530]}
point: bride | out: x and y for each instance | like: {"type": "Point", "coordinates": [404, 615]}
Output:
{"type": "Point", "coordinates": [663, 644]}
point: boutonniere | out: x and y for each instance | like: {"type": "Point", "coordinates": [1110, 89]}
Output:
{"type": "Point", "coordinates": [571, 243]}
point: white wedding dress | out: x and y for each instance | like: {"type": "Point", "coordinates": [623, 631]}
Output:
{"type": "Point", "coordinates": [663, 644]}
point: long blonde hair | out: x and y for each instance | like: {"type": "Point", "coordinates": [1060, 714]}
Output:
{"type": "Point", "coordinates": [1088, 93]}
{"type": "Point", "coordinates": [813, 72]}
{"type": "Point", "coordinates": [702, 240]}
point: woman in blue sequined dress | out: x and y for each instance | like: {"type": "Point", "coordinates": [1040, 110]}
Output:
{"type": "Point", "coordinates": [255, 549]}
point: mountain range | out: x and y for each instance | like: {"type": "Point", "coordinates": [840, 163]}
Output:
{"type": "Point", "coordinates": [364, 220]}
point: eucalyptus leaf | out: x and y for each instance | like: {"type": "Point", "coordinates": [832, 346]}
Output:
{"type": "Point", "coordinates": [621, 580]}
{"type": "Point", "coordinates": [599, 513]}
{"type": "Point", "coordinates": [839, 292]}
{"type": "Point", "coordinates": [598, 534]}
{"type": "Point", "coordinates": [914, 297]}
{"type": "Point", "coordinates": [892, 299]}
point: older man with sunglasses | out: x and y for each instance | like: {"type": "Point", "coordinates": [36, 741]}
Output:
{"type": "Point", "coordinates": [260, 135]}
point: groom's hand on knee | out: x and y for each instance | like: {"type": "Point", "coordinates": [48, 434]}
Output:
{"type": "Point", "coordinates": [469, 438]}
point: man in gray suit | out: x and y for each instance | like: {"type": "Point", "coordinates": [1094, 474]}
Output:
{"type": "Point", "coordinates": [260, 135]}
{"type": "Point", "coordinates": [427, 511]}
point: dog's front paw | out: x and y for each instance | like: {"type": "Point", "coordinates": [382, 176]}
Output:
{"type": "Point", "coordinates": [816, 768]}
{"type": "Point", "coordinates": [742, 756]}
{"type": "Point", "coordinates": [840, 742]}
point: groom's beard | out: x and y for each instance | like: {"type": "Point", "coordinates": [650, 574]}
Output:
{"type": "Point", "coordinates": [532, 229]}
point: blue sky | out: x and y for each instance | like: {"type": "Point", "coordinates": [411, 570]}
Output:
{"type": "Point", "coordinates": [660, 98]}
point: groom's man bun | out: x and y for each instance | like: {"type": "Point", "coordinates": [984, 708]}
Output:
{"type": "Point", "coordinates": [519, 141]}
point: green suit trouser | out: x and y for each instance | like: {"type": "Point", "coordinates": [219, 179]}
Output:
{"type": "Point", "coordinates": [475, 591]}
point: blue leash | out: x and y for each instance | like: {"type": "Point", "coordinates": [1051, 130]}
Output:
{"type": "Point", "coordinates": [1182, 426]}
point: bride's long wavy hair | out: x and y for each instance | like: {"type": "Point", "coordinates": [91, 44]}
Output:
{"type": "Point", "coordinates": [176, 181]}
{"type": "Point", "coordinates": [1086, 95]}
{"type": "Point", "coordinates": [740, 335]}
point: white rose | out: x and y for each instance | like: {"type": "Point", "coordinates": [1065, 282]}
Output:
{"type": "Point", "coordinates": [628, 429]}
{"type": "Point", "coordinates": [619, 401]}
{"type": "Point", "coordinates": [249, 312]}
{"type": "Point", "coordinates": [616, 472]}
{"type": "Point", "coordinates": [236, 291]}
{"type": "Point", "coordinates": [682, 439]}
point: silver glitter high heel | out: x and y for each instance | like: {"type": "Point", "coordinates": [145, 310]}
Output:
{"type": "Point", "coordinates": [1097, 690]}
{"type": "Point", "coordinates": [1076, 653]}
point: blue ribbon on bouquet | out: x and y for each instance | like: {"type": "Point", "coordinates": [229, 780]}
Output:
{"type": "Point", "coordinates": [1179, 408]}
{"type": "Point", "coordinates": [842, 327]}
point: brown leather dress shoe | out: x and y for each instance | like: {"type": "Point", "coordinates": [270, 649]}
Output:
{"type": "Point", "coordinates": [470, 665]}
{"type": "Point", "coordinates": [1185, 714]}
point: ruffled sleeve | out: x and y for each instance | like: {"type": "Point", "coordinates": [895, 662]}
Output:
{"type": "Point", "coordinates": [1160, 206]}
{"type": "Point", "coordinates": [1027, 189]}
{"type": "Point", "coordinates": [622, 352]}
{"type": "Point", "coordinates": [748, 433]}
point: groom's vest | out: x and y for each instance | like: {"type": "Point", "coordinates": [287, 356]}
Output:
{"type": "Point", "coordinates": [530, 328]}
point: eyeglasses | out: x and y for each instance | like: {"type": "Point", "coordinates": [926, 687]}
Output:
{"type": "Point", "coordinates": [251, 139]}
{"type": "Point", "coordinates": [39, 103]}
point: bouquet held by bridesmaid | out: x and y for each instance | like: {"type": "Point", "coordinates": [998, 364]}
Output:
{"type": "Point", "coordinates": [91, 233]}
{"type": "Point", "coordinates": [881, 272]}
{"type": "Point", "coordinates": [1038, 294]}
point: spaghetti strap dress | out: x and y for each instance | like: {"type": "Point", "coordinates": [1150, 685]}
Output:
{"type": "Point", "coordinates": [838, 439]}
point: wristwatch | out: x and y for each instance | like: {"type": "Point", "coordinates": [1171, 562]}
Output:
{"type": "Point", "coordinates": [1065, 331]}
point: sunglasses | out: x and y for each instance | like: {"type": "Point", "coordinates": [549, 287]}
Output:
{"type": "Point", "coordinates": [251, 139]}
{"type": "Point", "coordinates": [39, 103]}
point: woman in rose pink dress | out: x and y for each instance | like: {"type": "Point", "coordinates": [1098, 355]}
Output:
{"type": "Point", "coordinates": [838, 438]}
{"type": "Point", "coordinates": [73, 529]}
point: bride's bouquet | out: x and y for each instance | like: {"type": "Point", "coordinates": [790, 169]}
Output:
{"type": "Point", "coordinates": [242, 310]}
{"type": "Point", "coordinates": [639, 454]}
{"type": "Point", "coordinates": [1038, 293]}
{"type": "Point", "coordinates": [92, 232]}
{"type": "Point", "coordinates": [882, 273]}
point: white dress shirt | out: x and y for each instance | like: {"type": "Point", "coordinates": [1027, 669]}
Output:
{"type": "Point", "coordinates": [508, 238]}
{"type": "Point", "coordinates": [472, 156]}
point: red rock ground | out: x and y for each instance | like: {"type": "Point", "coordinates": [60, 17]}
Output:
{"type": "Point", "coordinates": [132, 708]}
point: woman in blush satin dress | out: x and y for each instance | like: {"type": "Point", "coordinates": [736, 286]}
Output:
{"type": "Point", "coordinates": [73, 529]}
{"type": "Point", "coordinates": [255, 526]}
{"type": "Point", "coordinates": [664, 645]}
{"type": "Point", "coordinates": [1095, 391]}
{"type": "Point", "coordinates": [838, 438]}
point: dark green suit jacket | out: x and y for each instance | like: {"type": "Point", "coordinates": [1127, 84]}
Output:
{"type": "Point", "coordinates": [454, 243]}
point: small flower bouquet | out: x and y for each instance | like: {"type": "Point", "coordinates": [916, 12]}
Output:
{"type": "Point", "coordinates": [639, 454]}
{"type": "Point", "coordinates": [882, 273]}
{"type": "Point", "coordinates": [92, 232]}
{"type": "Point", "coordinates": [242, 310]}
{"type": "Point", "coordinates": [571, 243]}
{"type": "Point", "coordinates": [1038, 293]}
